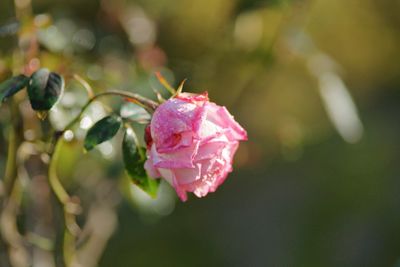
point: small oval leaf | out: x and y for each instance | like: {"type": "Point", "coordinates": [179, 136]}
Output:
{"type": "Point", "coordinates": [11, 86]}
{"type": "Point", "coordinates": [134, 158]}
{"type": "Point", "coordinates": [44, 89]}
{"type": "Point", "coordinates": [101, 131]}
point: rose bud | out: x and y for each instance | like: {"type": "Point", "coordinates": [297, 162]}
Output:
{"type": "Point", "coordinates": [193, 142]}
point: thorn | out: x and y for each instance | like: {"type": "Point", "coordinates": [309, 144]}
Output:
{"type": "Point", "coordinates": [180, 88]}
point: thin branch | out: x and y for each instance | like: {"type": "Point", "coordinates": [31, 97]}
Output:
{"type": "Point", "coordinates": [11, 165]}
{"type": "Point", "coordinates": [148, 104]}
{"type": "Point", "coordinates": [55, 183]}
{"type": "Point", "coordinates": [85, 85]}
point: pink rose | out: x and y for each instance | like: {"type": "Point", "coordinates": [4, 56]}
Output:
{"type": "Point", "coordinates": [191, 143]}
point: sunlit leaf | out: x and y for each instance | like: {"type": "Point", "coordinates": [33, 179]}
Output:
{"type": "Point", "coordinates": [44, 89]}
{"type": "Point", "coordinates": [102, 131]}
{"type": "Point", "coordinates": [134, 158]}
{"type": "Point", "coordinates": [11, 86]}
{"type": "Point", "coordinates": [135, 113]}
{"type": "Point", "coordinates": [9, 28]}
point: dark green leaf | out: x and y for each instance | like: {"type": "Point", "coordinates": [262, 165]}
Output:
{"type": "Point", "coordinates": [101, 131]}
{"type": "Point", "coordinates": [44, 89]}
{"type": "Point", "coordinates": [11, 86]}
{"type": "Point", "coordinates": [134, 158]}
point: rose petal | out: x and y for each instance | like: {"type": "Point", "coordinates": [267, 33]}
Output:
{"type": "Point", "coordinates": [193, 98]}
{"type": "Point", "coordinates": [172, 117]}
{"type": "Point", "coordinates": [182, 158]}
{"type": "Point", "coordinates": [175, 124]}
{"type": "Point", "coordinates": [187, 175]}
{"type": "Point", "coordinates": [221, 117]}
{"type": "Point", "coordinates": [209, 150]}
{"type": "Point", "coordinates": [170, 177]}
{"type": "Point", "coordinates": [151, 170]}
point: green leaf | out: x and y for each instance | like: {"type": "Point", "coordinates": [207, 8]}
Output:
{"type": "Point", "coordinates": [134, 158]}
{"type": "Point", "coordinates": [101, 131]}
{"type": "Point", "coordinates": [44, 89]}
{"type": "Point", "coordinates": [11, 86]}
{"type": "Point", "coordinates": [135, 113]}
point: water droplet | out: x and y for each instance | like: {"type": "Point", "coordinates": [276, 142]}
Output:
{"type": "Point", "coordinates": [68, 135]}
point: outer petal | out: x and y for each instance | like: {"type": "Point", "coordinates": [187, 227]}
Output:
{"type": "Point", "coordinates": [194, 98]}
{"type": "Point", "coordinates": [220, 116]}
{"type": "Point", "coordinates": [209, 129]}
{"type": "Point", "coordinates": [213, 171]}
{"type": "Point", "coordinates": [169, 175]}
{"type": "Point", "coordinates": [227, 155]}
{"type": "Point", "coordinates": [151, 170]}
{"type": "Point", "coordinates": [175, 124]}
{"type": "Point", "coordinates": [212, 148]}
{"type": "Point", "coordinates": [182, 158]}
{"type": "Point", "coordinates": [210, 172]}
{"type": "Point", "coordinates": [188, 175]}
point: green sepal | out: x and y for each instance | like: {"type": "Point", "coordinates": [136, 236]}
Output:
{"type": "Point", "coordinates": [134, 159]}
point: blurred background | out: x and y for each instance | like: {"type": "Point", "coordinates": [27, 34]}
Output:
{"type": "Point", "coordinates": [315, 83]}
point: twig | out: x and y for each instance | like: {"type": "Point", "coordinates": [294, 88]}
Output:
{"type": "Point", "coordinates": [66, 242]}
{"type": "Point", "coordinates": [85, 85]}
{"type": "Point", "coordinates": [8, 202]}
{"type": "Point", "coordinates": [11, 165]}
{"type": "Point", "coordinates": [148, 104]}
